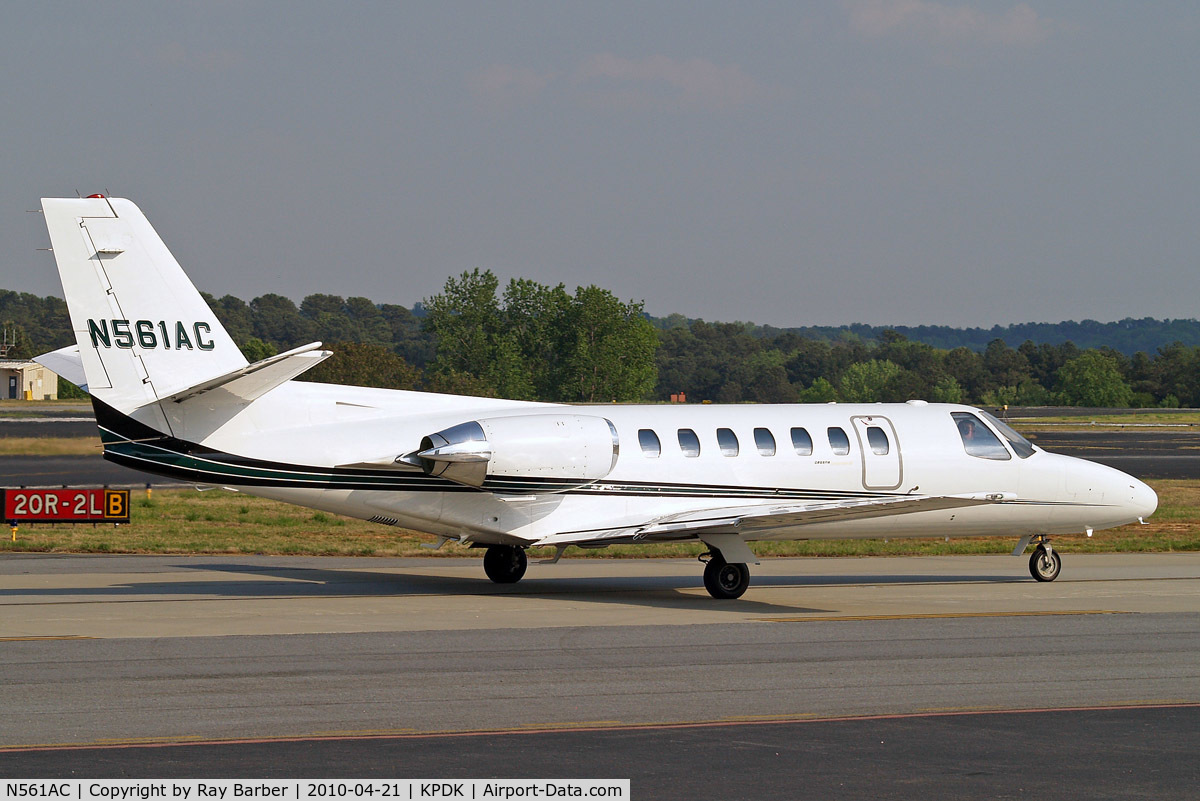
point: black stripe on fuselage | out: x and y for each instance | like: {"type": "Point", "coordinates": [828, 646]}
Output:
{"type": "Point", "coordinates": [133, 444]}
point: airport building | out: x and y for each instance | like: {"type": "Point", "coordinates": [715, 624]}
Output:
{"type": "Point", "coordinates": [27, 380]}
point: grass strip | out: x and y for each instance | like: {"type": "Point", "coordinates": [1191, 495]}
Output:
{"type": "Point", "coordinates": [50, 446]}
{"type": "Point", "coordinates": [219, 522]}
{"type": "Point", "coordinates": [1190, 417]}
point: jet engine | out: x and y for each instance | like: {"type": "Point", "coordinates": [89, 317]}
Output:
{"type": "Point", "coordinates": [568, 450]}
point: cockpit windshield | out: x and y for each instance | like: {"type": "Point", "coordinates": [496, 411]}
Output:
{"type": "Point", "coordinates": [1021, 446]}
{"type": "Point", "coordinates": [978, 440]}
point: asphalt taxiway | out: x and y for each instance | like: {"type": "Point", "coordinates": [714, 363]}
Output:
{"type": "Point", "coordinates": [1147, 453]}
{"type": "Point", "coordinates": [122, 665]}
{"type": "Point", "coordinates": [851, 678]}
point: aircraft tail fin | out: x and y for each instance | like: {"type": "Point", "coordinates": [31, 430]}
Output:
{"type": "Point", "coordinates": [145, 333]}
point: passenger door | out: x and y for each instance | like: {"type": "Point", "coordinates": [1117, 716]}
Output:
{"type": "Point", "coordinates": [879, 448]}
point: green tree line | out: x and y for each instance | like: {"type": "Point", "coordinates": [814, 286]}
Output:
{"type": "Point", "coordinates": [1128, 336]}
{"type": "Point", "coordinates": [539, 342]}
{"type": "Point", "coordinates": [725, 363]}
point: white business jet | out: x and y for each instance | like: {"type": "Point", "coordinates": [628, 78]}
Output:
{"type": "Point", "coordinates": [174, 396]}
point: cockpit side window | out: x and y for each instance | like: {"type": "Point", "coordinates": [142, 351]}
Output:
{"type": "Point", "coordinates": [978, 439]}
{"type": "Point", "coordinates": [1021, 446]}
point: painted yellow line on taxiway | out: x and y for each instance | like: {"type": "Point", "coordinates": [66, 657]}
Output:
{"type": "Point", "coordinates": [936, 616]}
{"type": "Point", "coordinates": [35, 638]}
{"type": "Point", "coordinates": [583, 726]}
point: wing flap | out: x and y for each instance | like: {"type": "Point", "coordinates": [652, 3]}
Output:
{"type": "Point", "coordinates": [757, 518]}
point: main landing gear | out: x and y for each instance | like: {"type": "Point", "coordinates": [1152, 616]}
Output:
{"type": "Point", "coordinates": [505, 564]}
{"type": "Point", "coordinates": [1045, 564]}
{"type": "Point", "coordinates": [724, 580]}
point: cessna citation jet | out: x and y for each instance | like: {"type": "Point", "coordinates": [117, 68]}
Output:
{"type": "Point", "coordinates": [173, 395]}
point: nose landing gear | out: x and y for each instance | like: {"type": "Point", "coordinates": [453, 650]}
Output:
{"type": "Point", "coordinates": [1045, 564]}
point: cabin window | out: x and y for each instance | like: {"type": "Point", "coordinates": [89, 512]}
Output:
{"type": "Point", "coordinates": [649, 442]}
{"type": "Point", "coordinates": [878, 440]}
{"type": "Point", "coordinates": [764, 440]}
{"type": "Point", "coordinates": [728, 442]}
{"type": "Point", "coordinates": [689, 443]}
{"type": "Point", "coordinates": [978, 439]}
{"type": "Point", "coordinates": [839, 441]}
{"type": "Point", "coordinates": [802, 442]}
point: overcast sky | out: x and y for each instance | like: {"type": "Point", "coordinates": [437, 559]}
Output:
{"type": "Point", "coordinates": [879, 161]}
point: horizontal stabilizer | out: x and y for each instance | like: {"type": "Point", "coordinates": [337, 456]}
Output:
{"type": "Point", "coordinates": [65, 362]}
{"type": "Point", "coordinates": [255, 380]}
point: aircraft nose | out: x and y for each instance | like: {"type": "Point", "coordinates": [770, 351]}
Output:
{"type": "Point", "coordinates": [1144, 501]}
{"type": "Point", "coordinates": [1125, 496]}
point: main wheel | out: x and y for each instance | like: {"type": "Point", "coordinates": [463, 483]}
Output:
{"type": "Point", "coordinates": [505, 564]}
{"type": "Point", "coordinates": [725, 580]}
{"type": "Point", "coordinates": [1045, 566]}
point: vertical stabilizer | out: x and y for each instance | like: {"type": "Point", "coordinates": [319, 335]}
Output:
{"type": "Point", "coordinates": [144, 332]}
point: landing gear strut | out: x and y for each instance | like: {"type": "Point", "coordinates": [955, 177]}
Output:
{"type": "Point", "coordinates": [723, 579]}
{"type": "Point", "coordinates": [1045, 563]}
{"type": "Point", "coordinates": [505, 564]}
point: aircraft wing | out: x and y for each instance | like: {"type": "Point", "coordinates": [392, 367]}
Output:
{"type": "Point", "coordinates": [761, 517]}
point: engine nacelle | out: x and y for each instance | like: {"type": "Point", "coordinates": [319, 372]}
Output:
{"type": "Point", "coordinates": [569, 450]}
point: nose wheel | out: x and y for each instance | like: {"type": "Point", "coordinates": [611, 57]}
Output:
{"type": "Point", "coordinates": [725, 580]}
{"type": "Point", "coordinates": [1045, 564]}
